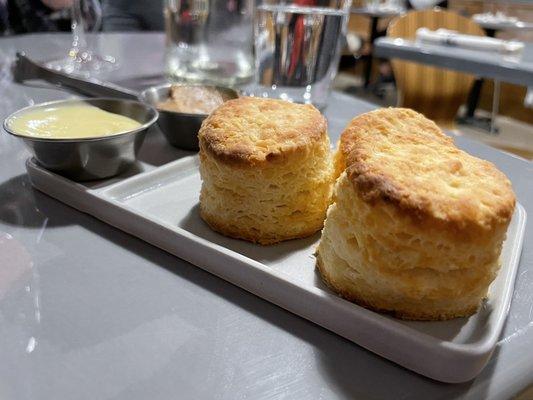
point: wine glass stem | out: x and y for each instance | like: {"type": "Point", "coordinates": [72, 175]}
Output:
{"type": "Point", "coordinates": [79, 40]}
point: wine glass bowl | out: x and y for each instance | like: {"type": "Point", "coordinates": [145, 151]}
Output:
{"type": "Point", "coordinates": [82, 59]}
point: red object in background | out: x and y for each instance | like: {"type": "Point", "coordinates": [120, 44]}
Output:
{"type": "Point", "coordinates": [298, 36]}
{"type": "Point", "coordinates": [231, 5]}
{"type": "Point", "coordinates": [186, 16]}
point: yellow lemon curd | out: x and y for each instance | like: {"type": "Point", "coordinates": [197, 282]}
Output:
{"type": "Point", "coordinates": [71, 122]}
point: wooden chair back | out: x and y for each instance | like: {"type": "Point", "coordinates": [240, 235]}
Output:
{"type": "Point", "coordinates": [435, 92]}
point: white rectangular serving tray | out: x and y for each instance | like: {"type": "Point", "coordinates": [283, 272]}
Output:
{"type": "Point", "coordinates": [161, 207]}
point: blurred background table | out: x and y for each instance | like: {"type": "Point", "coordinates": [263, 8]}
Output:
{"type": "Point", "coordinates": [493, 27]}
{"type": "Point", "coordinates": [512, 68]}
{"type": "Point", "coordinates": [89, 312]}
{"type": "Point", "coordinates": [514, 120]}
{"type": "Point", "coordinates": [374, 14]}
{"type": "Point", "coordinates": [425, 80]}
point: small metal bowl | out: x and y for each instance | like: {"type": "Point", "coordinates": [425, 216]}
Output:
{"type": "Point", "coordinates": [95, 157]}
{"type": "Point", "coordinates": [180, 129]}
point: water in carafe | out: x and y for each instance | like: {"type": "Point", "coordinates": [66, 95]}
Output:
{"type": "Point", "coordinates": [209, 41]}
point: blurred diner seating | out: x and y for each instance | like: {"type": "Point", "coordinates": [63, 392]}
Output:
{"type": "Point", "coordinates": [437, 93]}
{"type": "Point", "coordinates": [514, 121]}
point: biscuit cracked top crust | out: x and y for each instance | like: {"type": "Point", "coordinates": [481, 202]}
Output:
{"type": "Point", "coordinates": [255, 131]}
{"type": "Point", "coordinates": [400, 157]}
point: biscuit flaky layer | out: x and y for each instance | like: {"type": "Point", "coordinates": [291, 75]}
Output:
{"type": "Point", "coordinates": [416, 225]}
{"type": "Point", "coordinates": [383, 260]}
{"type": "Point", "coordinates": [399, 156]}
{"type": "Point", "coordinates": [251, 131]}
{"type": "Point", "coordinates": [258, 185]}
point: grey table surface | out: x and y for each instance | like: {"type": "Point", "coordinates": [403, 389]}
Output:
{"type": "Point", "coordinates": [89, 312]}
{"type": "Point", "coordinates": [511, 68]}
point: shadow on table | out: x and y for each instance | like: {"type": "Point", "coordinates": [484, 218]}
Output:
{"type": "Point", "coordinates": [22, 205]}
{"type": "Point", "coordinates": [351, 371]}
{"type": "Point", "coordinates": [157, 151]}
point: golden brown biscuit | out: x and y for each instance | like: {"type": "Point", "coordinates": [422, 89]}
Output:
{"type": "Point", "coordinates": [416, 225]}
{"type": "Point", "coordinates": [266, 170]}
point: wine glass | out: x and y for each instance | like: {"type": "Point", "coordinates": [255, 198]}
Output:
{"type": "Point", "coordinates": [82, 59]}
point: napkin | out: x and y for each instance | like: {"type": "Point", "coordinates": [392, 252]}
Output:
{"type": "Point", "coordinates": [499, 17]}
{"type": "Point", "coordinates": [453, 38]}
{"type": "Point", "coordinates": [424, 4]}
{"type": "Point", "coordinates": [390, 6]}
{"type": "Point", "coordinates": [528, 100]}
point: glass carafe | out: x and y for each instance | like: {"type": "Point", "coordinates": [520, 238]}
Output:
{"type": "Point", "coordinates": [83, 58]}
{"type": "Point", "coordinates": [209, 41]}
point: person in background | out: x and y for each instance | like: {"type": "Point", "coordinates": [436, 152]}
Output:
{"type": "Point", "coordinates": [385, 69]}
{"type": "Point", "coordinates": [4, 20]}
{"type": "Point", "coordinates": [25, 16]}
{"type": "Point", "coordinates": [132, 15]}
